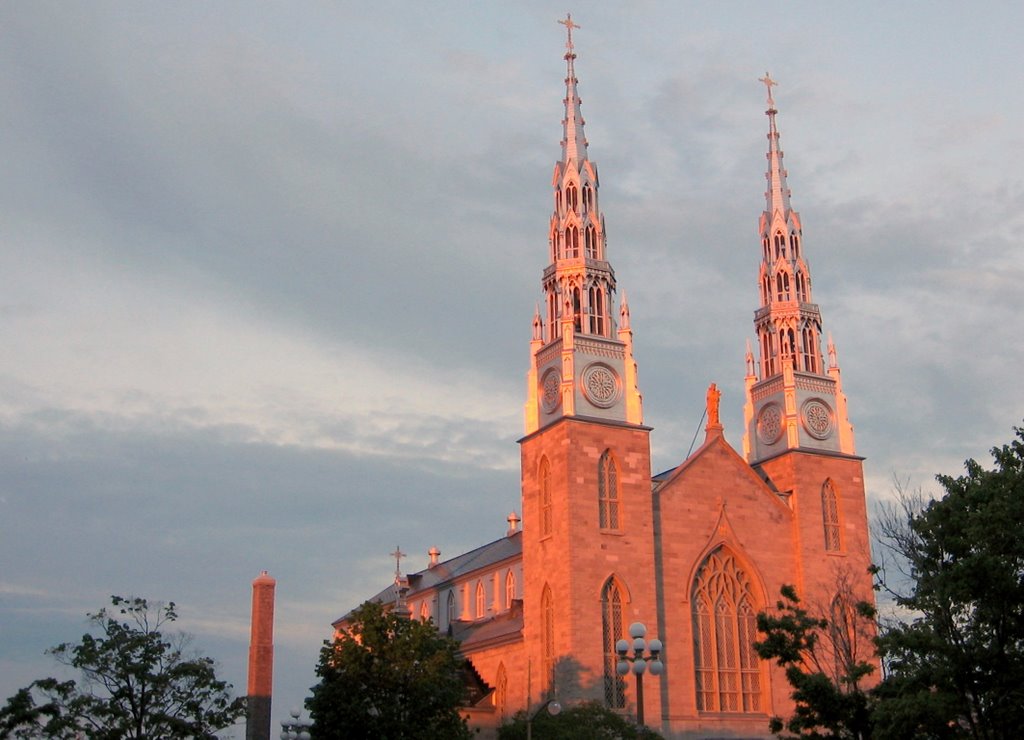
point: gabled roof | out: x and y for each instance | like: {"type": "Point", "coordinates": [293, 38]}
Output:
{"type": "Point", "coordinates": [483, 557]}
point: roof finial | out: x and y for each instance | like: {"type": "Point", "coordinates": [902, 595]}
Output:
{"type": "Point", "coordinates": [769, 83]}
{"type": "Point", "coordinates": [569, 25]}
{"type": "Point", "coordinates": [398, 555]}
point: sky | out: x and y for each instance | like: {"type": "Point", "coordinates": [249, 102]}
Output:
{"type": "Point", "coordinates": [267, 272]}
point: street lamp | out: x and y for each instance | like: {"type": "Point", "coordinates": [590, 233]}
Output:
{"type": "Point", "coordinates": [295, 728]}
{"type": "Point", "coordinates": [553, 707]}
{"type": "Point", "coordinates": [639, 661]}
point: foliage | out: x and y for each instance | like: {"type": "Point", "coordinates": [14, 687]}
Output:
{"type": "Point", "coordinates": [957, 667]}
{"type": "Point", "coordinates": [823, 663]}
{"type": "Point", "coordinates": [135, 683]}
{"type": "Point", "coordinates": [388, 677]}
{"type": "Point", "coordinates": [586, 721]}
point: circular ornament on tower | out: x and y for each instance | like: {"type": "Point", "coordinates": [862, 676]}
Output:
{"type": "Point", "coordinates": [816, 416]}
{"type": "Point", "coordinates": [769, 424]}
{"type": "Point", "coordinates": [601, 385]}
{"type": "Point", "coordinates": [551, 390]}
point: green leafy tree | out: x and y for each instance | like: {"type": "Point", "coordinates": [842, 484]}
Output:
{"type": "Point", "coordinates": [135, 682]}
{"type": "Point", "coordinates": [823, 657]}
{"type": "Point", "coordinates": [956, 666]}
{"type": "Point", "coordinates": [586, 721]}
{"type": "Point", "coordinates": [389, 677]}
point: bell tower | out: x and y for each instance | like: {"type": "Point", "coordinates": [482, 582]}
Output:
{"type": "Point", "coordinates": [588, 544]}
{"type": "Point", "coordinates": [794, 398]}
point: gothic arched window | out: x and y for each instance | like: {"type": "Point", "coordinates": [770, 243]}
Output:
{"type": "Point", "coordinates": [453, 615]}
{"type": "Point", "coordinates": [547, 639]}
{"type": "Point", "coordinates": [571, 200]}
{"type": "Point", "coordinates": [780, 245]}
{"type": "Point", "coordinates": [794, 243]}
{"type": "Point", "coordinates": [510, 589]}
{"type": "Point", "coordinates": [728, 672]}
{"type": "Point", "coordinates": [545, 497]}
{"type": "Point", "coordinates": [572, 242]}
{"type": "Point", "coordinates": [830, 516]}
{"type": "Point", "coordinates": [481, 600]}
{"type": "Point", "coordinates": [597, 310]}
{"type": "Point", "coordinates": [612, 632]}
{"type": "Point", "coordinates": [588, 197]}
{"type": "Point", "coordinates": [576, 308]}
{"type": "Point", "coordinates": [501, 690]}
{"type": "Point", "coordinates": [424, 612]}
{"type": "Point", "coordinates": [608, 491]}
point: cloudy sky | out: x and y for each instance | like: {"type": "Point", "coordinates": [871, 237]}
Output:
{"type": "Point", "coordinates": [267, 271]}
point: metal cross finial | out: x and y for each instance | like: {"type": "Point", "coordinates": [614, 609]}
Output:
{"type": "Point", "coordinates": [769, 83]}
{"type": "Point", "coordinates": [398, 555]}
{"type": "Point", "coordinates": [569, 25]}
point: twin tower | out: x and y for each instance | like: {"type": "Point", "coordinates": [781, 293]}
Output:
{"type": "Point", "coordinates": [695, 552]}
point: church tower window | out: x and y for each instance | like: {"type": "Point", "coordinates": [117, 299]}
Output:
{"type": "Point", "coordinates": [608, 491]}
{"type": "Point", "coordinates": [547, 638]}
{"type": "Point", "coordinates": [830, 516]}
{"type": "Point", "coordinates": [611, 626]}
{"type": "Point", "coordinates": [597, 321]}
{"type": "Point", "coordinates": [590, 241]}
{"type": "Point", "coordinates": [545, 498]}
{"type": "Point", "coordinates": [728, 674]}
{"type": "Point", "coordinates": [571, 201]}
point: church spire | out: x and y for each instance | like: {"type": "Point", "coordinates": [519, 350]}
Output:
{"type": "Point", "coordinates": [799, 399]}
{"type": "Point", "coordinates": [574, 143]}
{"type": "Point", "coordinates": [582, 360]}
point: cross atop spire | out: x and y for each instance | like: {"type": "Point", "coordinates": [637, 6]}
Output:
{"type": "Point", "coordinates": [769, 83]}
{"type": "Point", "coordinates": [398, 555]}
{"type": "Point", "coordinates": [569, 25]}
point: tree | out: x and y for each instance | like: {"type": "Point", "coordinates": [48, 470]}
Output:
{"type": "Point", "coordinates": [388, 677]}
{"type": "Point", "coordinates": [823, 656]}
{"type": "Point", "coordinates": [587, 721]}
{"type": "Point", "coordinates": [136, 683]}
{"type": "Point", "coordinates": [957, 666]}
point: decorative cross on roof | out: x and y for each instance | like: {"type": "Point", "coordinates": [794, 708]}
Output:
{"type": "Point", "coordinates": [569, 25]}
{"type": "Point", "coordinates": [398, 555]}
{"type": "Point", "coordinates": [769, 83]}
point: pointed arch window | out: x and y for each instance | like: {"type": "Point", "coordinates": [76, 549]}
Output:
{"type": "Point", "coordinates": [558, 200]}
{"type": "Point", "coordinates": [572, 242]}
{"type": "Point", "coordinates": [588, 197]}
{"type": "Point", "coordinates": [453, 614]}
{"type": "Point", "coordinates": [577, 321]}
{"type": "Point", "coordinates": [590, 241]}
{"type": "Point", "coordinates": [481, 600]}
{"type": "Point", "coordinates": [728, 672]}
{"type": "Point", "coordinates": [547, 639]}
{"type": "Point", "coordinates": [571, 198]}
{"type": "Point", "coordinates": [612, 632]}
{"type": "Point", "coordinates": [510, 589]}
{"type": "Point", "coordinates": [830, 516]}
{"type": "Point", "coordinates": [545, 497]}
{"type": "Point", "coordinates": [780, 244]}
{"type": "Point", "coordinates": [778, 287]}
{"type": "Point", "coordinates": [765, 247]}
{"type": "Point", "coordinates": [597, 317]}
{"type": "Point", "coordinates": [424, 612]}
{"type": "Point", "coordinates": [501, 690]}
{"type": "Point", "coordinates": [794, 244]}
{"type": "Point", "coordinates": [608, 491]}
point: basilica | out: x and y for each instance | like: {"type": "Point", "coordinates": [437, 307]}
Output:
{"type": "Point", "coordinates": [693, 553]}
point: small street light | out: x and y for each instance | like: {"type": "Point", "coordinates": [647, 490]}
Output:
{"type": "Point", "coordinates": [553, 707]}
{"type": "Point", "coordinates": [295, 728]}
{"type": "Point", "coordinates": [640, 662]}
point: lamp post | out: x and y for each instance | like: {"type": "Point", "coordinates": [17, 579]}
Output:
{"type": "Point", "coordinates": [640, 662]}
{"type": "Point", "coordinates": [295, 728]}
{"type": "Point", "coordinates": [553, 707]}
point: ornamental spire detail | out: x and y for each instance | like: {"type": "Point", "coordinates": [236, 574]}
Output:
{"type": "Point", "coordinates": [582, 362]}
{"type": "Point", "coordinates": [794, 400]}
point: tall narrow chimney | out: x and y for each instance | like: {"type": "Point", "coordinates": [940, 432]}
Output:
{"type": "Point", "coordinates": [261, 659]}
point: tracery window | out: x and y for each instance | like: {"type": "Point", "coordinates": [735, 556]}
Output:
{"type": "Point", "coordinates": [572, 242]}
{"type": "Point", "coordinates": [780, 245]}
{"type": "Point", "coordinates": [588, 197]}
{"type": "Point", "coordinates": [571, 200]}
{"type": "Point", "coordinates": [510, 589]}
{"type": "Point", "coordinates": [545, 497]}
{"type": "Point", "coordinates": [608, 491]}
{"type": "Point", "coordinates": [728, 673]}
{"type": "Point", "coordinates": [547, 639]}
{"type": "Point", "coordinates": [611, 629]}
{"type": "Point", "coordinates": [597, 318]}
{"type": "Point", "coordinates": [481, 600]}
{"type": "Point", "coordinates": [830, 516]}
{"type": "Point", "coordinates": [590, 241]}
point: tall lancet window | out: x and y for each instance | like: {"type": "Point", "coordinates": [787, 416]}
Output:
{"type": "Point", "coordinates": [608, 491]}
{"type": "Point", "coordinates": [611, 628]}
{"type": "Point", "coordinates": [501, 690]}
{"type": "Point", "coordinates": [453, 615]}
{"type": "Point", "coordinates": [481, 600]}
{"type": "Point", "coordinates": [728, 672]}
{"type": "Point", "coordinates": [830, 516]}
{"type": "Point", "coordinates": [510, 589]}
{"type": "Point", "coordinates": [547, 639]}
{"type": "Point", "coordinates": [597, 317]}
{"type": "Point", "coordinates": [545, 497]}
{"type": "Point", "coordinates": [590, 242]}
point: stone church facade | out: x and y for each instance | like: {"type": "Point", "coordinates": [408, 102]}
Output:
{"type": "Point", "coordinates": [695, 552]}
